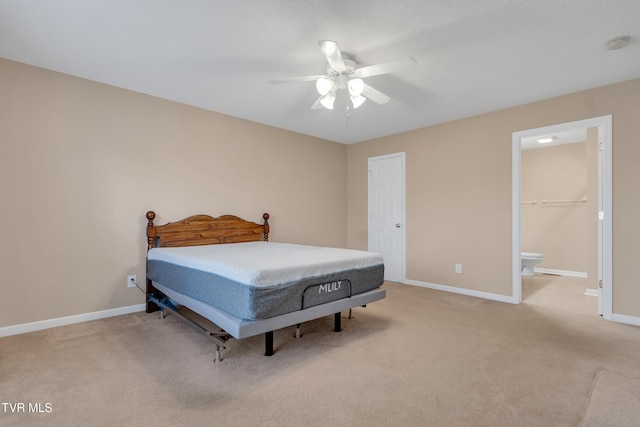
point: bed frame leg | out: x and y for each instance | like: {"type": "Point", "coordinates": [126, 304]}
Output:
{"type": "Point", "coordinates": [268, 343]}
{"type": "Point", "coordinates": [151, 306]}
{"type": "Point", "coordinates": [337, 319]}
{"type": "Point", "coordinates": [298, 331]}
{"type": "Point", "coordinates": [218, 359]}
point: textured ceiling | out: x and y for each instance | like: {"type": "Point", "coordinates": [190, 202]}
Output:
{"type": "Point", "coordinates": [472, 56]}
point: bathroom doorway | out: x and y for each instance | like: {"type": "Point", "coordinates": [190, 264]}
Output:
{"type": "Point", "coordinates": [577, 274]}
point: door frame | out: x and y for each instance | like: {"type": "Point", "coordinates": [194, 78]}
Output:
{"type": "Point", "coordinates": [403, 202]}
{"type": "Point", "coordinates": [605, 136]}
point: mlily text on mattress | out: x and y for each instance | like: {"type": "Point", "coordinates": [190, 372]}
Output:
{"type": "Point", "coordinates": [249, 285]}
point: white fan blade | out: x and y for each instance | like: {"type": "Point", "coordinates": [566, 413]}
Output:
{"type": "Point", "coordinates": [334, 57]}
{"type": "Point", "coordinates": [375, 95]}
{"type": "Point", "coordinates": [316, 105]}
{"type": "Point", "coordinates": [296, 79]}
{"type": "Point", "coordinates": [387, 67]}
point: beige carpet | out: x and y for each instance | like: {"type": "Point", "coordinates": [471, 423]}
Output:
{"type": "Point", "coordinates": [615, 401]}
{"type": "Point", "coordinates": [419, 357]}
{"type": "Point", "coordinates": [561, 292]}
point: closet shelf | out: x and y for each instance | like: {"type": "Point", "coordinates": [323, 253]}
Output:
{"type": "Point", "coordinates": [546, 202]}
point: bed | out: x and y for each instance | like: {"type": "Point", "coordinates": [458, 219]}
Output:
{"type": "Point", "coordinates": [225, 277]}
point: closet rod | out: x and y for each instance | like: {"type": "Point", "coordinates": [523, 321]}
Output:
{"type": "Point", "coordinates": [529, 203]}
{"type": "Point", "coordinates": [564, 201]}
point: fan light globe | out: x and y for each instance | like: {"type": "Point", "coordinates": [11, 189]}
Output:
{"type": "Point", "coordinates": [323, 85]}
{"type": "Point", "coordinates": [356, 86]}
{"type": "Point", "coordinates": [327, 101]}
{"type": "Point", "coordinates": [357, 100]}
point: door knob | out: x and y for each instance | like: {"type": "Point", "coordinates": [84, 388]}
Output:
{"type": "Point", "coordinates": [398, 225]}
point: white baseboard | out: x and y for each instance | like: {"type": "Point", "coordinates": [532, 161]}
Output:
{"type": "Point", "coordinates": [462, 291]}
{"type": "Point", "coordinates": [560, 272]}
{"type": "Point", "coordinates": [79, 318]}
{"type": "Point", "coordinates": [620, 318]}
{"type": "Point", "coordinates": [69, 320]}
{"type": "Point", "coordinates": [623, 318]}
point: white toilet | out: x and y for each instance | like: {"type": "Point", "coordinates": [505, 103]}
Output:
{"type": "Point", "coordinates": [527, 261]}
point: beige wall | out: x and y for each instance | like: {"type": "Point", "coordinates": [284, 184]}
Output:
{"type": "Point", "coordinates": [81, 163]}
{"type": "Point", "coordinates": [557, 230]}
{"type": "Point", "coordinates": [459, 191]}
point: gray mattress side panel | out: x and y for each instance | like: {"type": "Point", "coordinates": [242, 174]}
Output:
{"type": "Point", "coordinates": [252, 303]}
{"type": "Point", "coordinates": [217, 291]}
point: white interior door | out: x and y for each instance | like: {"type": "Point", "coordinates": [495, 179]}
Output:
{"type": "Point", "coordinates": [386, 212]}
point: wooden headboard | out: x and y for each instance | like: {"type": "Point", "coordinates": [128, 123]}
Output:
{"type": "Point", "coordinates": [205, 230]}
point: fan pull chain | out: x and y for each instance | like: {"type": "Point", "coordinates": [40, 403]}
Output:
{"type": "Point", "coordinates": [347, 115]}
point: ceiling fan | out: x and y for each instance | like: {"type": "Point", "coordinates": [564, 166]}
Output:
{"type": "Point", "coordinates": [343, 73]}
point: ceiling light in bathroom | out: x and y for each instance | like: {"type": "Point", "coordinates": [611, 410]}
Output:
{"type": "Point", "coordinates": [547, 140]}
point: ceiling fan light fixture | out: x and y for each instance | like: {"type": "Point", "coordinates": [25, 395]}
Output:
{"type": "Point", "coordinates": [357, 100]}
{"type": "Point", "coordinates": [344, 73]}
{"type": "Point", "coordinates": [324, 85]}
{"type": "Point", "coordinates": [356, 86]}
{"type": "Point", "coordinates": [327, 101]}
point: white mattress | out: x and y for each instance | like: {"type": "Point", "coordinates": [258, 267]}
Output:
{"type": "Point", "coordinates": [266, 263]}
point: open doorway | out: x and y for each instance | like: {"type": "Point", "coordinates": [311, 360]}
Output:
{"type": "Point", "coordinates": [542, 203]}
{"type": "Point", "coordinates": [558, 220]}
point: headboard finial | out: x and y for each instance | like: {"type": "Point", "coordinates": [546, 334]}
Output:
{"type": "Point", "coordinates": [151, 229]}
{"type": "Point", "coordinates": [265, 216]}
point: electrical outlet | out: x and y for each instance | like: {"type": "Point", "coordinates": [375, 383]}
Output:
{"type": "Point", "coordinates": [459, 268]}
{"type": "Point", "coordinates": [131, 281]}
